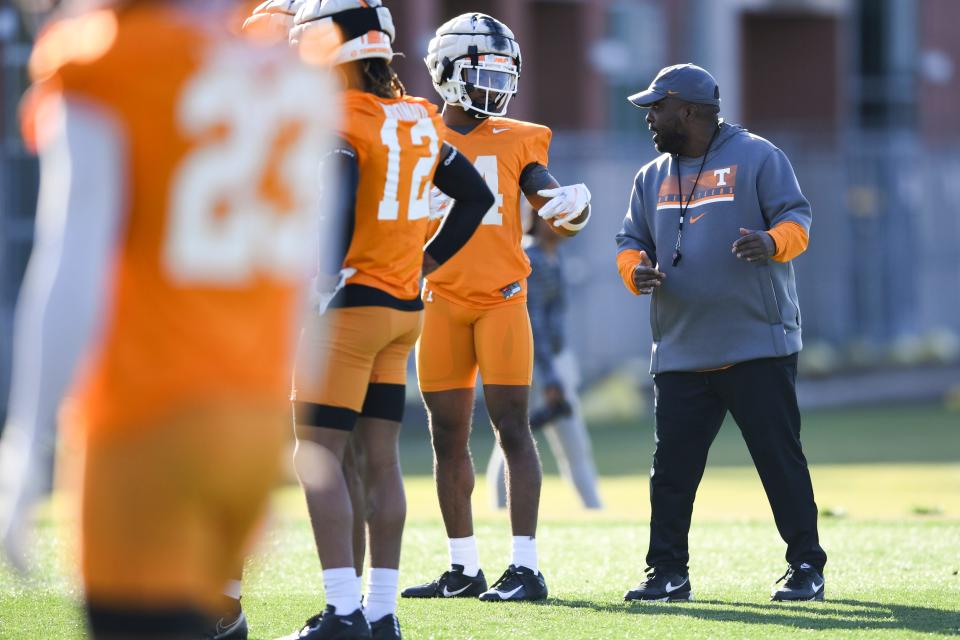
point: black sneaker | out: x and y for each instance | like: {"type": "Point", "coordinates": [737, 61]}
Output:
{"type": "Point", "coordinates": [329, 626]}
{"type": "Point", "coordinates": [662, 586]}
{"type": "Point", "coordinates": [386, 628]}
{"type": "Point", "coordinates": [800, 582]}
{"type": "Point", "coordinates": [452, 584]}
{"type": "Point", "coordinates": [516, 583]}
{"type": "Point", "coordinates": [232, 629]}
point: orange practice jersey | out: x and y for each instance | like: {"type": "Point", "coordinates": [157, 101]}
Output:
{"type": "Point", "coordinates": [398, 143]}
{"type": "Point", "coordinates": [220, 142]}
{"type": "Point", "coordinates": [500, 148]}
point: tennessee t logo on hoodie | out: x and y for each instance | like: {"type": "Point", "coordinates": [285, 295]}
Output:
{"type": "Point", "coordinates": [715, 185]}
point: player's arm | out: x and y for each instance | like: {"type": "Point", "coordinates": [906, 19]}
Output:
{"type": "Point", "coordinates": [567, 207]}
{"type": "Point", "coordinates": [636, 249]}
{"type": "Point", "coordinates": [458, 178]}
{"type": "Point", "coordinates": [786, 211]}
{"type": "Point", "coordinates": [340, 167]}
{"type": "Point", "coordinates": [64, 293]}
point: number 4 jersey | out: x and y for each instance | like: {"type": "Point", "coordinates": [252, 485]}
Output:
{"type": "Point", "coordinates": [492, 268]}
{"type": "Point", "coordinates": [217, 141]}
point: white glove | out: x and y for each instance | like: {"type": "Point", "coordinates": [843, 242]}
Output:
{"type": "Point", "coordinates": [566, 203]}
{"type": "Point", "coordinates": [320, 292]}
{"type": "Point", "coordinates": [440, 204]}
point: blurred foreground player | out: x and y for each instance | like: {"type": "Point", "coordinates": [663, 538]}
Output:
{"type": "Point", "coordinates": [179, 168]}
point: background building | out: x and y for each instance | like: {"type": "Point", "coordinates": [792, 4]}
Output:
{"type": "Point", "coordinates": [861, 94]}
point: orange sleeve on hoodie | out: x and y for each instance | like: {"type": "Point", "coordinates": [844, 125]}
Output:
{"type": "Point", "coordinates": [791, 240]}
{"type": "Point", "coordinates": [627, 261]}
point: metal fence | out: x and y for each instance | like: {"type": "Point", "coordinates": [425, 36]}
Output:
{"type": "Point", "coordinates": [18, 184]}
{"type": "Point", "coordinates": [879, 284]}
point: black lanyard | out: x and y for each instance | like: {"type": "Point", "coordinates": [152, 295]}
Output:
{"type": "Point", "coordinates": [683, 209]}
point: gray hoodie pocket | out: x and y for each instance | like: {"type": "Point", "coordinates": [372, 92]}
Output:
{"type": "Point", "coordinates": [772, 308]}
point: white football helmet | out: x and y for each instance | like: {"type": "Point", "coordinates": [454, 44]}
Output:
{"type": "Point", "coordinates": [475, 54]}
{"type": "Point", "coordinates": [273, 17]}
{"type": "Point", "coordinates": [366, 26]}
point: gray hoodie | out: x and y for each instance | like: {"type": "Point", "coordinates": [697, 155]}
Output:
{"type": "Point", "coordinates": [713, 309]}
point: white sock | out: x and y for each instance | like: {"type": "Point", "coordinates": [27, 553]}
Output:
{"type": "Point", "coordinates": [381, 597]}
{"type": "Point", "coordinates": [463, 551]}
{"type": "Point", "coordinates": [525, 552]}
{"type": "Point", "coordinates": [342, 588]}
{"type": "Point", "coordinates": [232, 590]}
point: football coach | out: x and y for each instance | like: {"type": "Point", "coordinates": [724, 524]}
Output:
{"type": "Point", "coordinates": [713, 225]}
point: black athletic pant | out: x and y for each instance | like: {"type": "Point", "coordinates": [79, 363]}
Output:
{"type": "Point", "coordinates": [690, 407]}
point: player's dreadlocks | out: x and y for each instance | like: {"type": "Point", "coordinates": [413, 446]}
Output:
{"type": "Point", "coordinates": [379, 78]}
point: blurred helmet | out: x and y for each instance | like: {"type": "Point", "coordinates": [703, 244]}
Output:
{"type": "Point", "coordinates": [475, 54]}
{"type": "Point", "coordinates": [365, 25]}
{"type": "Point", "coordinates": [273, 17]}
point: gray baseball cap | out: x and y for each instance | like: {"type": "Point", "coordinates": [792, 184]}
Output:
{"type": "Point", "coordinates": [682, 81]}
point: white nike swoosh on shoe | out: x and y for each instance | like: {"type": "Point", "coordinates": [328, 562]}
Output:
{"type": "Point", "coordinates": [671, 588]}
{"type": "Point", "coordinates": [223, 630]}
{"type": "Point", "coordinates": [817, 587]}
{"type": "Point", "coordinates": [496, 131]}
{"type": "Point", "coordinates": [509, 594]}
{"type": "Point", "coordinates": [449, 594]}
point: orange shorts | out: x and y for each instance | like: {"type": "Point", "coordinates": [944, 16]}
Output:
{"type": "Point", "coordinates": [459, 341]}
{"type": "Point", "coordinates": [346, 350]}
{"type": "Point", "coordinates": [169, 510]}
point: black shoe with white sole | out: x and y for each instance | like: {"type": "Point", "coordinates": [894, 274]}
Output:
{"type": "Point", "coordinates": [386, 628]}
{"type": "Point", "coordinates": [329, 626]}
{"type": "Point", "coordinates": [232, 629]}
{"type": "Point", "coordinates": [452, 584]}
{"type": "Point", "coordinates": [662, 585]}
{"type": "Point", "coordinates": [800, 583]}
{"type": "Point", "coordinates": [517, 584]}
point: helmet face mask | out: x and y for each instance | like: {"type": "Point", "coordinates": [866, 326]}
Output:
{"type": "Point", "coordinates": [487, 86]}
{"type": "Point", "coordinates": [474, 63]}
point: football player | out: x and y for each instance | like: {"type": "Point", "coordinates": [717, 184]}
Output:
{"type": "Point", "coordinates": [172, 254]}
{"type": "Point", "coordinates": [369, 311]}
{"type": "Point", "coordinates": [476, 315]}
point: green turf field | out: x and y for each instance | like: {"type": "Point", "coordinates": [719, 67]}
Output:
{"type": "Point", "coordinates": [890, 476]}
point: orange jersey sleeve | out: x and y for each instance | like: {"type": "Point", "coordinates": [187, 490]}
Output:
{"type": "Point", "coordinates": [627, 261]}
{"type": "Point", "coordinates": [481, 274]}
{"type": "Point", "coordinates": [216, 235]}
{"type": "Point", "coordinates": [791, 239]}
{"type": "Point", "coordinates": [398, 143]}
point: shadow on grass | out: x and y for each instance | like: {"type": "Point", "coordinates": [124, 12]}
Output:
{"type": "Point", "coordinates": [845, 614]}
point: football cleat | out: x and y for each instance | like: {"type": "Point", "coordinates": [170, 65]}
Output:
{"type": "Point", "coordinates": [662, 586]}
{"type": "Point", "coordinates": [232, 629]}
{"type": "Point", "coordinates": [452, 584]}
{"type": "Point", "coordinates": [329, 626]}
{"type": "Point", "coordinates": [801, 582]}
{"type": "Point", "coordinates": [386, 628]}
{"type": "Point", "coordinates": [516, 584]}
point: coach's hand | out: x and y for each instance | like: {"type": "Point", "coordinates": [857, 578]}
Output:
{"type": "Point", "coordinates": [646, 277]}
{"type": "Point", "coordinates": [754, 246]}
